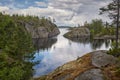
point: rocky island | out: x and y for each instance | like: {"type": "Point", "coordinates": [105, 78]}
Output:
{"type": "Point", "coordinates": [79, 32]}
{"type": "Point", "coordinates": [93, 30]}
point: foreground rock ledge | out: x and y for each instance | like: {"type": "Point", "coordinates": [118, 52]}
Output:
{"type": "Point", "coordinates": [97, 65]}
{"type": "Point", "coordinates": [93, 74]}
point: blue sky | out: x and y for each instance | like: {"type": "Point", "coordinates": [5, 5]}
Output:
{"type": "Point", "coordinates": [65, 12]}
{"type": "Point", "coordinates": [21, 4]}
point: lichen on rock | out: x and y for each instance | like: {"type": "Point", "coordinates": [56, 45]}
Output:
{"type": "Point", "coordinates": [92, 66]}
{"type": "Point", "coordinates": [92, 74]}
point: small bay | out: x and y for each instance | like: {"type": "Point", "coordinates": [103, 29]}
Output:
{"type": "Point", "coordinates": [52, 53]}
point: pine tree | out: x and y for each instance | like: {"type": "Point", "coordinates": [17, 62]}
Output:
{"type": "Point", "coordinates": [113, 9]}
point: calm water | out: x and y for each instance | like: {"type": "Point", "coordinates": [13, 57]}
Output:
{"type": "Point", "coordinates": [56, 51]}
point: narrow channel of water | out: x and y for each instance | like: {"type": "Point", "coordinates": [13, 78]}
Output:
{"type": "Point", "coordinates": [56, 51]}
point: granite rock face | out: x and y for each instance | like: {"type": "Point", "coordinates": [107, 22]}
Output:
{"type": "Point", "coordinates": [42, 31]}
{"type": "Point", "coordinates": [93, 74]}
{"type": "Point", "coordinates": [92, 66]}
{"type": "Point", "coordinates": [101, 59]}
{"type": "Point", "coordinates": [54, 32]}
{"type": "Point", "coordinates": [80, 32]}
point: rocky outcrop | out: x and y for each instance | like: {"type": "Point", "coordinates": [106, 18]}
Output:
{"type": "Point", "coordinates": [101, 59]}
{"type": "Point", "coordinates": [54, 32]}
{"type": "Point", "coordinates": [79, 32]}
{"type": "Point", "coordinates": [97, 65]}
{"type": "Point", "coordinates": [92, 74]}
{"type": "Point", "coordinates": [42, 31]}
{"type": "Point", "coordinates": [39, 28]}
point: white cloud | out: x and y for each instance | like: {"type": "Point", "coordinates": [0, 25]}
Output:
{"type": "Point", "coordinates": [66, 12]}
{"type": "Point", "coordinates": [83, 10]}
{"type": "Point", "coordinates": [3, 8]}
{"type": "Point", "coordinates": [43, 4]}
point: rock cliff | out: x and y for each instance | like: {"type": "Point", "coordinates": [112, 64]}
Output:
{"type": "Point", "coordinates": [42, 31]}
{"type": "Point", "coordinates": [38, 27]}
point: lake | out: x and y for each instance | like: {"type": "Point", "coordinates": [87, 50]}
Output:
{"type": "Point", "coordinates": [55, 52]}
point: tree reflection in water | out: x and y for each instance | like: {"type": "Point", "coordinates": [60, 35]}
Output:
{"type": "Point", "coordinates": [53, 53]}
{"type": "Point", "coordinates": [43, 44]}
{"type": "Point", "coordinates": [95, 43]}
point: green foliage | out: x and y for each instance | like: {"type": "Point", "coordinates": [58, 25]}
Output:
{"type": "Point", "coordinates": [35, 21]}
{"type": "Point", "coordinates": [16, 45]}
{"type": "Point", "coordinates": [113, 9]}
{"type": "Point", "coordinates": [98, 28]}
{"type": "Point", "coordinates": [107, 31]}
{"type": "Point", "coordinates": [17, 50]}
{"type": "Point", "coordinates": [114, 51]}
{"type": "Point", "coordinates": [14, 69]}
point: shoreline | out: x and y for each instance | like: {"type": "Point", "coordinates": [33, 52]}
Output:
{"type": "Point", "coordinates": [96, 61]}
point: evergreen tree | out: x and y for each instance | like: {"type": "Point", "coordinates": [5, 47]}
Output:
{"type": "Point", "coordinates": [17, 50]}
{"type": "Point", "coordinates": [113, 10]}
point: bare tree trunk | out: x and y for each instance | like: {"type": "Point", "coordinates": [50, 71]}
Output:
{"type": "Point", "coordinates": [117, 28]}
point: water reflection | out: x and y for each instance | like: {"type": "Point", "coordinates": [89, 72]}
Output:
{"type": "Point", "coordinates": [44, 44]}
{"type": "Point", "coordinates": [85, 40]}
{"type": "Point", "coordinates": [55, 52]}
{"type": "Point", "coordinates": [98, 43]}
{"type": "Point", "coordinates": [95, 43]}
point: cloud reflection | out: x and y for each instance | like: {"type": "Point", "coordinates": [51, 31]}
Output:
{"type": "Point", "coordinates": [62, 51]}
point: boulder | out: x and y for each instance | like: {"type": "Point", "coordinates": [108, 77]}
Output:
{"type": "Point", "coordinates": [101, 59]}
